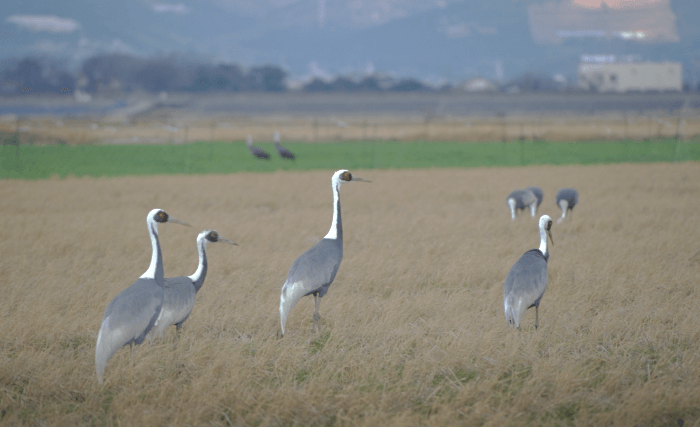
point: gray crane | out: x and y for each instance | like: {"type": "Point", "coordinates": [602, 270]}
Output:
{"type": "Point", "coordinates": [133, 312]}
{"type": "Point", "coordinates": [527, 279]}
{"type": "Point", "coordinates": [314, 271]}
{"type": "Point", "coordinates": [283, 152]}
{"type": "Point", "coordinates": [521, 199]}
{"type": "Point", "coordinates": [537, 191]}
{"type": "Point", "coordinates": [257, 152]}
{"type": "Point", "coordinates": [180, 292]}
{"type": "Point", "coordinates": [566, 200]}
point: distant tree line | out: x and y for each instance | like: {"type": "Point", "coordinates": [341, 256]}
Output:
{"type": "Point", "coordinates": [114, 73]}
{"type": "Point", "coordinates": [124, 73]}
{"type": "Point", "coordinates": [117, 73]}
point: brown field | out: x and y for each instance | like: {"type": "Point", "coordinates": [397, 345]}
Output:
{"type": "Point", "coordinates": [413, 326]}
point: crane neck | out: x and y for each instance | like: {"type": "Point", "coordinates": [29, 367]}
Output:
{"type": "Point", "coordinates": [543, 243]}
{"type": "Point", "coordinates": [336, 231]}
{"type": "Point", "coordinates": [201, 273]}
{"type": "Point", "coordinates": [564, 205]}
{"type": "Point", "coordinates": [511, 205]}
{"type": "Point", "coordinates": [155, 270]}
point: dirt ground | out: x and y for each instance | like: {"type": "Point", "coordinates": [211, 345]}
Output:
{"type": "Point", "coordinates": [413, 326]}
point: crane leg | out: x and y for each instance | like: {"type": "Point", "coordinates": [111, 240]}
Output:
{"type": "Point", "coordinates": [537, 317]}
{"type": "Point", "coordinates": [317, 317]}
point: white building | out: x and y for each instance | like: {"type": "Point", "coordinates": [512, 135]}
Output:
{"type": "Point", "coordinates": [634, 76]}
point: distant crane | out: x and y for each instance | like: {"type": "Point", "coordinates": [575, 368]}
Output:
{"type": "Point", "coordinates": [527, 279]}
{"type": "Point", "coordinates": [521, 199]}
{"type": "Point", "coordinates": [566, 200]}
{"type": "Point", "coordinates": [537, 191]}
{"type": "Point", "coordinates": [133, 312]}
{"type": "Point", "coordinates": [283, 152]}
{"type": "Point", "coordinates": [314, 271]}
{"type": "Point", "coordinates": [180, 292]}
{"type": "Point", "coordinates": [257, 152]}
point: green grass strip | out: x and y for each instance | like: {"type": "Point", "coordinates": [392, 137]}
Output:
{"type": "Point", "coordinates": [37, 162]}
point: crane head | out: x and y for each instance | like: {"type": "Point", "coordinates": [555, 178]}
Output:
{"type": "Point", "coordinates": [342, 176]}
{"type": "Point", "coordinates": [214, 237]}
{"type": "Point", "coordinates": [546, 226]}
{"type": "Point", "coordinates": [160, 216]}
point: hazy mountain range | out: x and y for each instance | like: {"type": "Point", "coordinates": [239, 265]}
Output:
{"type": "Point", "coordinates": [435, 40]}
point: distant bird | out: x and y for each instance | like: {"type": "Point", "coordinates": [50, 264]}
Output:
{"type": "Point", "coordinates": [283, 152]}
{"type": "Point", "coordinates": [537, 191]}
{"type": "Point", "coordinates": [180, 292]}
{"type": "Point", "coordinates": [527, 279]}
{"type": "Point", "coordinates": [133, 312]}
{"type": "Point", "coordinates": [314, 271]}
{"type": "Point", "coordinates": [257, 152]}
{"type": "Point", "coordinates": [566, 200]}
{"type": "Point", "coordinates": [521, 199]}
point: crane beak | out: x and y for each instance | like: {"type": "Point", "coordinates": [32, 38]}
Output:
{"type": "Point", "coordinates": [224, 240]}
{"type": "Point", "coordinates": [177, 221]}
{"type": "Point", "coordinates": [357, 178]}
{"type": "Point", "coordinates": [549, 233]}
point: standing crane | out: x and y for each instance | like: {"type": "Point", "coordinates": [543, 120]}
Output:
{"type": "Point", "coordinates": [283, 152]}
{"type": "Point", "coordinates": [133, 312]}
{"type": "Point", "coordinates": [566, 200]}
{"type": "Point", "coordinates": [180, 292]}
{"type": "Point", "coordinates": [257, 152]}
{"type": "Point", "coordinates": [314, 271]}
{"type": "Point", "coordinates": [527, 279]}
{"type": "Point", "coordinates": [521, 199]}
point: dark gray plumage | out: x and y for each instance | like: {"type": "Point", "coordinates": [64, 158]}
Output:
{"type": "Point", "coordinates": [521, 199]}
{"type": "Point", "coordinates": [257, 152]}
{"type": "Point", "coordinates": [314, 271]}
{"type": "Point", "coordinates": [566, 200]}
{"type": "Point", "coordinates": [180, 292]}
{"type": "Point", "coordinates": [132, 313]}
{"type": "Point", "coordinates": [537, 191]}
{"type": "Point", "coordinates": [283, 152]}
{"type": "Point", "coordinates": [527, 279]}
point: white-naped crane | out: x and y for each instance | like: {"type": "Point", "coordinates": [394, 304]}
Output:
{"type": "Point", "coordinates": [283, 152]}
{"type": "Point", "coordinates": [521, 199]}
{"type": "Point", "coordinates": [566, 200]}
{"type": "Point", "coordinates": [527, 279]}
{"type": "Point", "coordinates": [181, 291]}
{"type": "Point", "coordinates": [313, 272]}
{"type": "Point", "coordinates": [257, 151]}
{"type": "Point", "coordinates": [131, 314]}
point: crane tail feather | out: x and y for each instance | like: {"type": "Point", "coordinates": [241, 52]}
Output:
{"type": "Point", "coordinates": [290, 295]}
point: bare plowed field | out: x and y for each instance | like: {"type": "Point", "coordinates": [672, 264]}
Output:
{"type": "Point", "coordinates": [413, 326]}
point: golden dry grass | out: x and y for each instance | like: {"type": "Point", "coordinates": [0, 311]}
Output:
{"type": "Point", "coordinates": [413, 326]}
{"type": "Point", "coordinates": [165, 126]}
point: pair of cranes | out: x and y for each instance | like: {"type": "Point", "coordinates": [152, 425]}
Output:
{"type": "Point", "coordinates": [527, 279]}
{"type": "Point", "coordinates": [153, 303]}
{"type": "Point", "coordinates": [531, 197]}
{"type": "Point", "coordinates": [262, 154]}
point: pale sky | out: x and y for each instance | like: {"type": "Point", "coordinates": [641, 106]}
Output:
{"type": "Point", "coordinates": [617, 4]}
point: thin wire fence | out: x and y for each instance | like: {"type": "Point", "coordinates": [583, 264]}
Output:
{"type": "Point", "coordinates": [602, 127]}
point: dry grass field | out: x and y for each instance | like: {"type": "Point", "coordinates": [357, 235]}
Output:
{"type": "Point", "coordinates": [413, 326]}
{"type": "Point", "coordinates": [164, 126]}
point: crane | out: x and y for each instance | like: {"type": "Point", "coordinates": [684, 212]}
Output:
{"type": "Point", "coordinates": [313, 272]}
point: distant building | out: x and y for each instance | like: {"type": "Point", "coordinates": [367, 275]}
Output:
{"type": "Point", "coordinates": [619, 77]}
{"type": "Point", "coordinates": [479, 84]}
